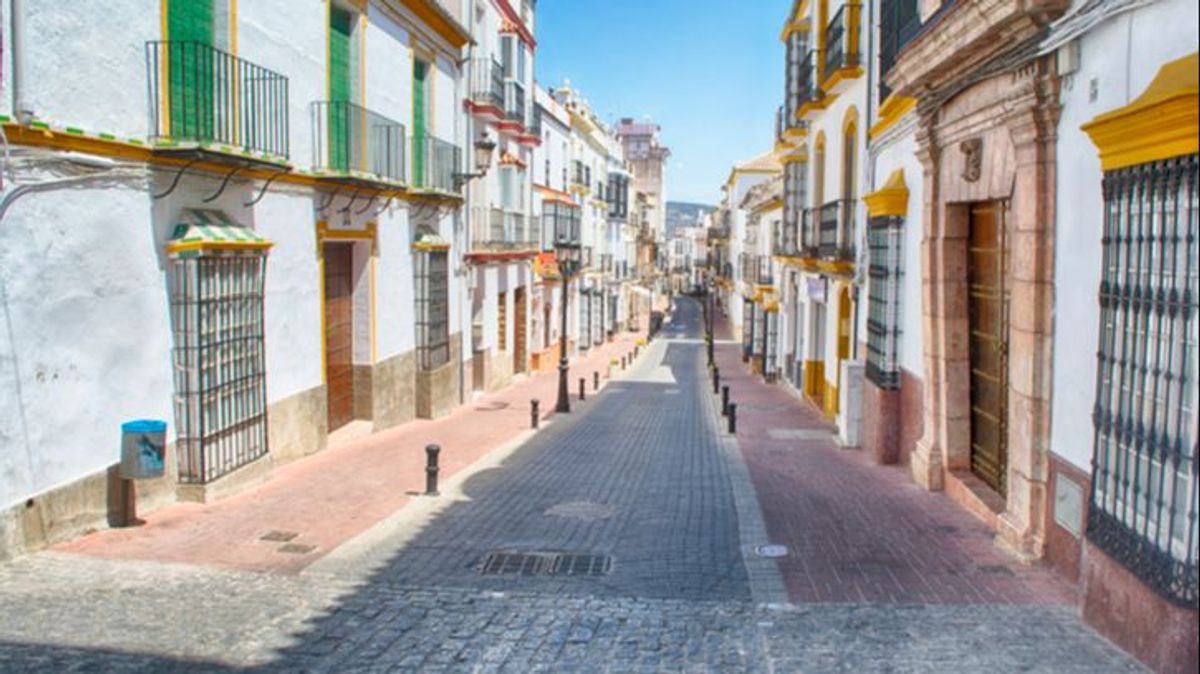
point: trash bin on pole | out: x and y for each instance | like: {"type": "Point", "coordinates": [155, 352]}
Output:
{"type": "Point", "coordinates": [143, 446]}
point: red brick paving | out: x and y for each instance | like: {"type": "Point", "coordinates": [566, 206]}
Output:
{"type": "Point", "coordinates": [337, 494]}
{"type": "Point", "coordinates": [858, 531]}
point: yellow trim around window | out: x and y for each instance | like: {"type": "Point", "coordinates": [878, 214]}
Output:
{"type": "Point", "coordinates": [894, 109]}
{"type": "Point", "coordinates": [1159, 124]}
{"type": "Point", "coordinates": [889, 200]}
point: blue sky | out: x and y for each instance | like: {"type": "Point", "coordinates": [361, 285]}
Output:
{"type": "Point", "coordinates": [710, 72]}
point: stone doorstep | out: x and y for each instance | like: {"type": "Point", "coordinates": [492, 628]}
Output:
{"type": "Point", "coordinates": [976, 497]}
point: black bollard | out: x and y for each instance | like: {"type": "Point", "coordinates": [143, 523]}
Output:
{"type": "Point", "coordinates": [431, 469]}
{"type": "Point", "coordinates": [716, 380]}
{"type": "Point", "coordinates": [582, 388]}
{"type": "Point", "coordinates": [733, 418]}
{"type": "Point", "coordinates": [595, 381]}
{"type": "Point", "coordinates": [533, 413]}
{"type": "Point", "coordinates": [724, 401]}
{"type": "Point", "coordinates": [622, 362]}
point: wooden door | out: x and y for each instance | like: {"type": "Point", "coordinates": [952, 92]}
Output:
{"type": "Point", "coordinates": [987, 268]}
{"type": "Point", "coordinates": [339, 333]}
{"type": "Point", "coordinates": [519, 334]}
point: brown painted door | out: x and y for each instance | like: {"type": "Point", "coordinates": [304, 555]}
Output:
{"type": "Point", "coordinates": [339, 334]}
{"type": "Point", "coordinates": [519, 334]}
{"type": "Point", "coordinates": [987, 269]}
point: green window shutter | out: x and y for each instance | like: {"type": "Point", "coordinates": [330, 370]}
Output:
{"type": "Point", "coordinates": [340, 28]}
{"type": "Point", "coordinates": [420, 77]}
{"type": "Point", "coordinates": [191, 65]}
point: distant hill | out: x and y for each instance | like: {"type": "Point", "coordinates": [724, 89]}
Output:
{"type": "Point", "coordinates": [685, 214]}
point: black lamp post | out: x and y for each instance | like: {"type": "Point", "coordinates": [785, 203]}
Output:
{"type": "Point", "coordinates": [567, 252]}
{"type": "Point", "coordinates": [711, 300]}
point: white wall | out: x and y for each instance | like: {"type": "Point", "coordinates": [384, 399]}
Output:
{"type": "Point", "coordinates": [85, 339]}
{"type": "Point", "coordinates": [1122, 56]}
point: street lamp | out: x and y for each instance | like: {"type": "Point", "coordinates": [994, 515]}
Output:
{"type": "Point", "coordinates": [567, 252]}
{"type": "Point", "coordinates": [484, 149]}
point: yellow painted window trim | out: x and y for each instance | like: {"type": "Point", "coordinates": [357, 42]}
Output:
{"type": "Point", "coordinates": [892, 111]}
{"type": "Point", "coordinates": [889, 200]}
{"type": "Point", "coordinates": [1159, 124]}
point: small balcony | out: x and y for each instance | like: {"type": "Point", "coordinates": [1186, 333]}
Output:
{"type": "Point", "coordinates": [841, 41]}
{"type": "Point", "coordinates": [837, 230]}
{"type": "Point", "coordinates": [807, 89]}
{"type": "Point", "coordinates": [434, 164]}
{"type": "Point", "coordinates": [514, 102]}
{"type": "Point", "coordinates": [900, 23]}
{"type": "Point", "coordinates": [349, 139]}
{"type": "Point", "coordinates": [487, 83]}
{"type": "Point", "coordinates": [204, 98]}
{"type": "Point", "coordinates": [498, 230]}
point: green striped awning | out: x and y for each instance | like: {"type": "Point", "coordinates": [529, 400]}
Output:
{"type": "Point", "coordinates": [202, 231]}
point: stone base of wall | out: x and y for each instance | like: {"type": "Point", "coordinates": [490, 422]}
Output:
{"type": "Point", "coordinates": [1119, 606]}
{"type": "Point", "coordinates": [393, 397]}
{"type": "Point", "coordinates": [500, 370]}
{"type": "Point", "coordinates": [437, 390]}
{"type": "Point", "coordinates": [249, 475]}
{"type": "Point", "coordinates": [81, 507]}
{"type": "Point", "coordinates": [545, 361]}
{"type": "Point", "coordinates": [892, 420]}
{"type": "Point", "coordinates": [298, 425]}
{"type": "Point", "coordinates": [363, 391]}
{"type": "Point", "coordinates": [1066, 518]}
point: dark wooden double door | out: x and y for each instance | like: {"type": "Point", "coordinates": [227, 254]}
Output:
{"type": "Point", "coordinates": [987, 283]}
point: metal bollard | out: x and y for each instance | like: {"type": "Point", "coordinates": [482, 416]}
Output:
{"type": "Point", "coordinates": [431, 469]}
{"type": "Point", "coordinates": [733, 418]}
{"type": "Point", "coordinates": [582, 388]}
{"type": "Point", "coordinates": [636, 351]}
{"type": "Point", "coordinates": [534, 418]}
{"type": "Point", "coordinates": [716, 380]}
{"type": "Point", "coordinates": [724, 401]}
{"type": "Point", "coordinates": [622, 362]}
{"type": "Point", "coordinates": [595, 381]}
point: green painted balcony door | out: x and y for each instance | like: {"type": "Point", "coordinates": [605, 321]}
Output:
{"type": "Point", "coordinates": [420, 107]}
{"type": "Point", "coordinates": [340, 90]}
{"type": "Point", "coordinates": [191, 66]}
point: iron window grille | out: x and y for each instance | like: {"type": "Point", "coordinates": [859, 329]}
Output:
{"type": "Point", "coordinates": [1144, 478]}
{"type": "Point", "coordinates": [433, 308]}
{"type": "Point", "coordinates": [747, 327]}
{"type": "Point", "coordinates": [771, 346]}
{"type": "Point", "coordinates": [884, 275]}
{"type": "Point", "coordinates": [219, 365]}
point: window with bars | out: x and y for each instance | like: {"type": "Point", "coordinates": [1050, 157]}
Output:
{"type": "Point", "coordinates": [431, 268]}
{"type": "Point", "coordinates": [884, 238]}
{"type": "Point", "coordinates": [1144, 474]}
{"type": "Point", "coordinates": [220, 369]}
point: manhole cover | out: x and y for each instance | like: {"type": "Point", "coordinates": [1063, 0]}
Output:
{"type": "Point", "coordinates": [771, 551]}
{"type": "Point", "coordinates": [295, 549]}
{"type": "Point", "coordinates": [544, 564]}
{"type": "Point", "coordinates": [279, 536]}
{"type": "Point", "coordinates": [582, 510]}
{"type": "Point", "coordinates": [995, 570]}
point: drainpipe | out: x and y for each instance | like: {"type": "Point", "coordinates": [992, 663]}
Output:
{"type": "Point", "coordinates": [22, 111]}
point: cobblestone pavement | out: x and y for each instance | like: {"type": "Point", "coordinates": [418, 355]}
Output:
{"type": "Point", "coordinates": [639, 473]}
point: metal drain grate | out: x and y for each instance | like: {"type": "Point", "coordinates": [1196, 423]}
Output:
{"type": "Point", "coordinates": [544, 564]}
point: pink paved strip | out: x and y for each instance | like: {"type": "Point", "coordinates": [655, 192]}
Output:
{"type": "Point", "coordinates": [332, 496]}
{"type": "Point", "coordinates": [861, 532]}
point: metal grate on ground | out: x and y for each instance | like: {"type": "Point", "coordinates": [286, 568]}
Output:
{"type": "Point", "coordinates": [544, 564]}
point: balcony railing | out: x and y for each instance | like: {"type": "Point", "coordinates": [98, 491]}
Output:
{"type": "Point", "coordinates": [202, 95]}
{"type": "Point", "coordinates": [841, 44]}
{"type": "Point", "coordinates": [764, 275]}
{"type": "Point", "coordinates": [495, 229]}
{"type": "Point", "coordinates": [487, 82]}
{"type": "Point", "coordinates": [347, 137]}
{"type": "Point", "coordinates": [434, 164]}
{"type": "Point", "coordinates": [807, 86]}
{"type": "Point", "coordinates": [514, 102]}
{"type": "Point", "coordinates": [837, 230]}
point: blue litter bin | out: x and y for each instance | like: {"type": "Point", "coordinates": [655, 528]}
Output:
{"type": "Point", "coordinates": [143, 446]}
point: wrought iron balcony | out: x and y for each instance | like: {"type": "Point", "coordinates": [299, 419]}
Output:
{"type": "Point", "coordinates": [841, 42]}
{"type": "Point", "coordinates": [498, 230]}
{"type": "Point", "coordinates": [487, 83]}
{"type": "Point", "coordinates": [349, 138]}
{"type": "Point", "coordinates": [900, 23]}
{"type": "Point", "coordinates": [203, 96]}
{"type": "Point", "coordinates": [514, 102]}
{"type": "Point", "coordinates": [807, 88]}
{"type": "Point", "coordinates": [434, 164]}
{"type": "Point", "coordinates": [556, 217]}
{"type": "Point", "coordinates": [837, 230]}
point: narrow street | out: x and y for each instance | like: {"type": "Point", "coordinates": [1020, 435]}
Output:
{"type": "Point", "coordinates": [631, 530]}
